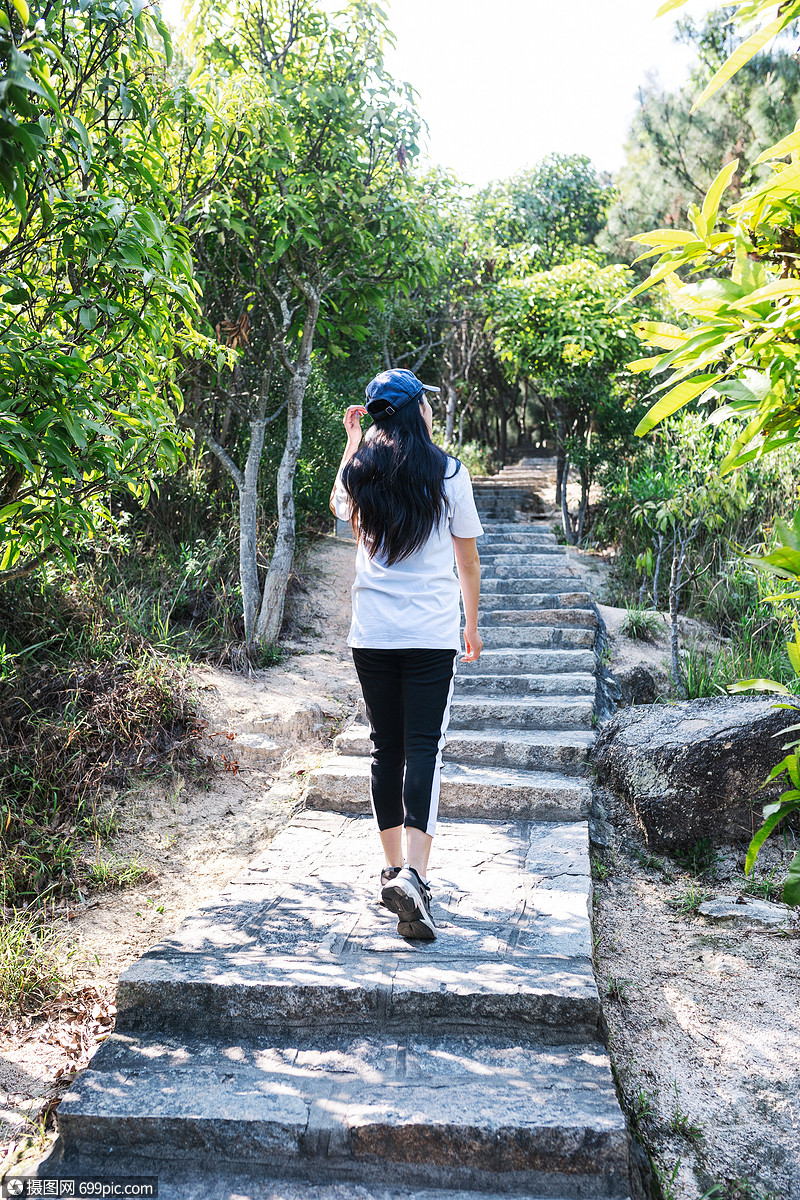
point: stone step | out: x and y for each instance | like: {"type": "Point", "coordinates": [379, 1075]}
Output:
{"type": "Point", "coordinates": [500, 555]}
{"type": "Point", "coordinates": [523, 541]}
{"type": "Point", "coordinates": [585, 618]}
{"type": "Point", "coordinates": [517, 526]}
{"type": "Point", "coordinates": [513, 637]}
{"type": "Point", "coordinates": [525, 750]}
{"type": "Point", "coordinates": [341, 784]}
{"type": "Point", "coordinates": [575, 684]}
{"type": "Point", "coordinates": [237, 1182]}
{"type": "Point", "coordinates": [530, 662]}
{"type": "Point", "coordinates": [421, 1111]}
{"type": "Point", "coordinates": [545, 581]}
{"type": "Point", "coordinates": [298, 941]}
{"type": "Point", "coordinates": [522, 712]}
{"type": "Point", "coordinates": [528, 567]}
{"type": "Point", "coordinates": [520, 601]}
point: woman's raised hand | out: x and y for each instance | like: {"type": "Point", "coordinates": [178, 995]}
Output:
{"type": "Point", "coordinates": [352, 422]}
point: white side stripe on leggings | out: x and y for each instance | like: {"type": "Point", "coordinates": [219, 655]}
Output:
{"type": "Point", "coordinates": [436, 785]}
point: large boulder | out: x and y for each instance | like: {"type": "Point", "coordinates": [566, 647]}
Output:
{"type": "Point", "coordinates": [694, 770]}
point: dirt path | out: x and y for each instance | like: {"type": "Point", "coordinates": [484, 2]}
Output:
{"type": "Point", "coordinates": [192, 838]}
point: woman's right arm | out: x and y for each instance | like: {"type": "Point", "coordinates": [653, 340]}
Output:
{"type": "Point", "coordinates": [352, 423]}
{"type": "Point", "coordinates": [469, 577]}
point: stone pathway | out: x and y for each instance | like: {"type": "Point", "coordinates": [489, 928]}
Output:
{"type": "Point", "coordinates": [285, 1043]}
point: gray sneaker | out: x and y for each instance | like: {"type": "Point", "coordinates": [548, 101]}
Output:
{"type": "Point", "coordinates": [410, 899]}
{"type": "Point", "coordinates": [387, 875]}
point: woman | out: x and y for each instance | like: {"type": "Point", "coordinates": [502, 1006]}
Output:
{"type": "Point", "coordinates": [412, 509]}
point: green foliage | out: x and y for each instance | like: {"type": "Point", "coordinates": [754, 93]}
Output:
{"type": "Point", "coordinates": [699, 858]}
{"type": "Point", "coordinates": [689, 900]}
{"type": "Point", "coordinates": [32, 964]}
{"type": "Point", "coordinates": [77, 716]}
{"type": "Point", "coordinates": [115, 872]}
{"type": "Point", "coordinates": [546, 215]}
{"type": "Point", "coordinates": [98, 296]}
{"type": "Point", "coordinates": [737, 353]}
{"type": "Point", "coordinates": [681, 1123]}
{"type": "Point", "coordinates": [641, 625]}
{"type": "Point", "coordinates": [561, 329]}
{"type": "Point", "coordinates": [672, 155]}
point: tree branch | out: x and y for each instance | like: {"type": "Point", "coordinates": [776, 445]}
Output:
{"type": "Point", "coordinates": [230, 466]}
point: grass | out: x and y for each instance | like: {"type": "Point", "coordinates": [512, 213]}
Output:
{"type": "Point", "coordinates": [617, 989]}
{"type": "Point", "coordinates": [92, 707]}
{"type": "Point", "coordinates": [699, 858]}
{"type": "Point", "coordinates": [681, 1123]}
{"type": "Point", "coordinates": [667, 1180]}
{"type": "Point", "coordinates": [689, 900]}
{"type": "Point", "coordinates": [115, 872]}
{"type": "Point", "coordinates": [737, 1189]}
{"type": "Point", "coordinates": [640, 624]}
{"type": "Point", "coordinates": [770, 888]}
{"type": "Point", "coordinates": [641, 1107]}
{"type": "Point", "coordinates": [651, 862]}
{"type": "Point", "coordinates": [31, 964]}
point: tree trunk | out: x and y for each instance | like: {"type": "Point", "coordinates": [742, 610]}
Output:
{"type": "Point", "coordinates": [657, 570]}
{"type": "Point", "coordinates": [503, 439]}
{"type": "Point", "coordinates": [674, 595]}
{"type": "Point", "coordinates": [561, 459]}
{"type": "Point", "coordinates": [248, 528]}
{"type": "Point", "coordinates": [450, 411]}
{"type": "Point", "coordinates": [566, 520]}
{"type": "Point", "coordinates": [642, 589]}
{"type": "Point", "coordinates": [584, 503]}
{"type": "Point", "coordinates": [270, 617]}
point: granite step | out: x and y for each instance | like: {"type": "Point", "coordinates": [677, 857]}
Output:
{"type": "Point", "coordinates": [515, 526]}
{"type": "Point", "coordinates": [361, 1108]}
{"type": "Point", "coordinates": [520, 601]}
{"type": "Point", "coordinates": [578, 683]}
{"type": "Point", "coordinates": [528, 567]}
{"type": "Point", "coordinates": [522, 712]}
{"type": "Point", "coordinates": [579, 617]}
{"type": "Point", "coordinates": [297, 941]}
{"type": "Point", "coordinates": [522, 750]}
{"type": "Point", "coordinates": [498, 555]}
{"type": "Point", "coordinates": [544, 581]}
{"type": "Point", "coordinates": [517, 637]}
{"type": "Point", "coordinates": [341, 784]}
{"type": "Point", "coordinates": [529, 661]}
{"type": "Point", "coordinates": [518, 538]}
{"type": "Point", "coordinates": [216, 1182]}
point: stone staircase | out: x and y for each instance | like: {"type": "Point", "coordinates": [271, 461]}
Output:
{"type": "Point", "coordinates": [285, 1044]}
{"type": "Point", "coordinates": [515, 492]}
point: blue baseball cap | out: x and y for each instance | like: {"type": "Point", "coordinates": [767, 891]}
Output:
{"type": "Point", "coordinates": [391, 390]}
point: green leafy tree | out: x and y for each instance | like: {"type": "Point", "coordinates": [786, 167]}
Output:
{"type": "Point", "coordinates": [737, 354]}
{"type": "Point", "coordinates": [317, 223]}
{"type": "Point", "coordinates": [98, 295]}
{"type": "Point", "coordinates": [673, 154]}
{"type": "Point", "coordinates": [562, 330]}
{"type": "Point", "coordinates": [547, 214]}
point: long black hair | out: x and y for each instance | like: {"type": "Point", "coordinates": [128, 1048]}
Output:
{"type": "Point", "coordinates": [396, 483]}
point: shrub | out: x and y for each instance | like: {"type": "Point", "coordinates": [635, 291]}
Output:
{"type": "Point", "coordinates": [641, 625]}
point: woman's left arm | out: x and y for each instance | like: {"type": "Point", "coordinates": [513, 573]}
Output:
{"type": "Point", "coordinates": [352, 423]}
{"type": "Point", "coordinates": [469, 577]}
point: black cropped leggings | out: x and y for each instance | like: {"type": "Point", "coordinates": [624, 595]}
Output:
{"type": "Point", "coordinates": [407, 696]}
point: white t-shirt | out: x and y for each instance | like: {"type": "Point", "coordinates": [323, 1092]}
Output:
{"type": "Point", "coordinates": [413, 604]}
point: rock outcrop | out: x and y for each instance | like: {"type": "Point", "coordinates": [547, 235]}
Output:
{"type": "Point", "coordinates": [694, 770]}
